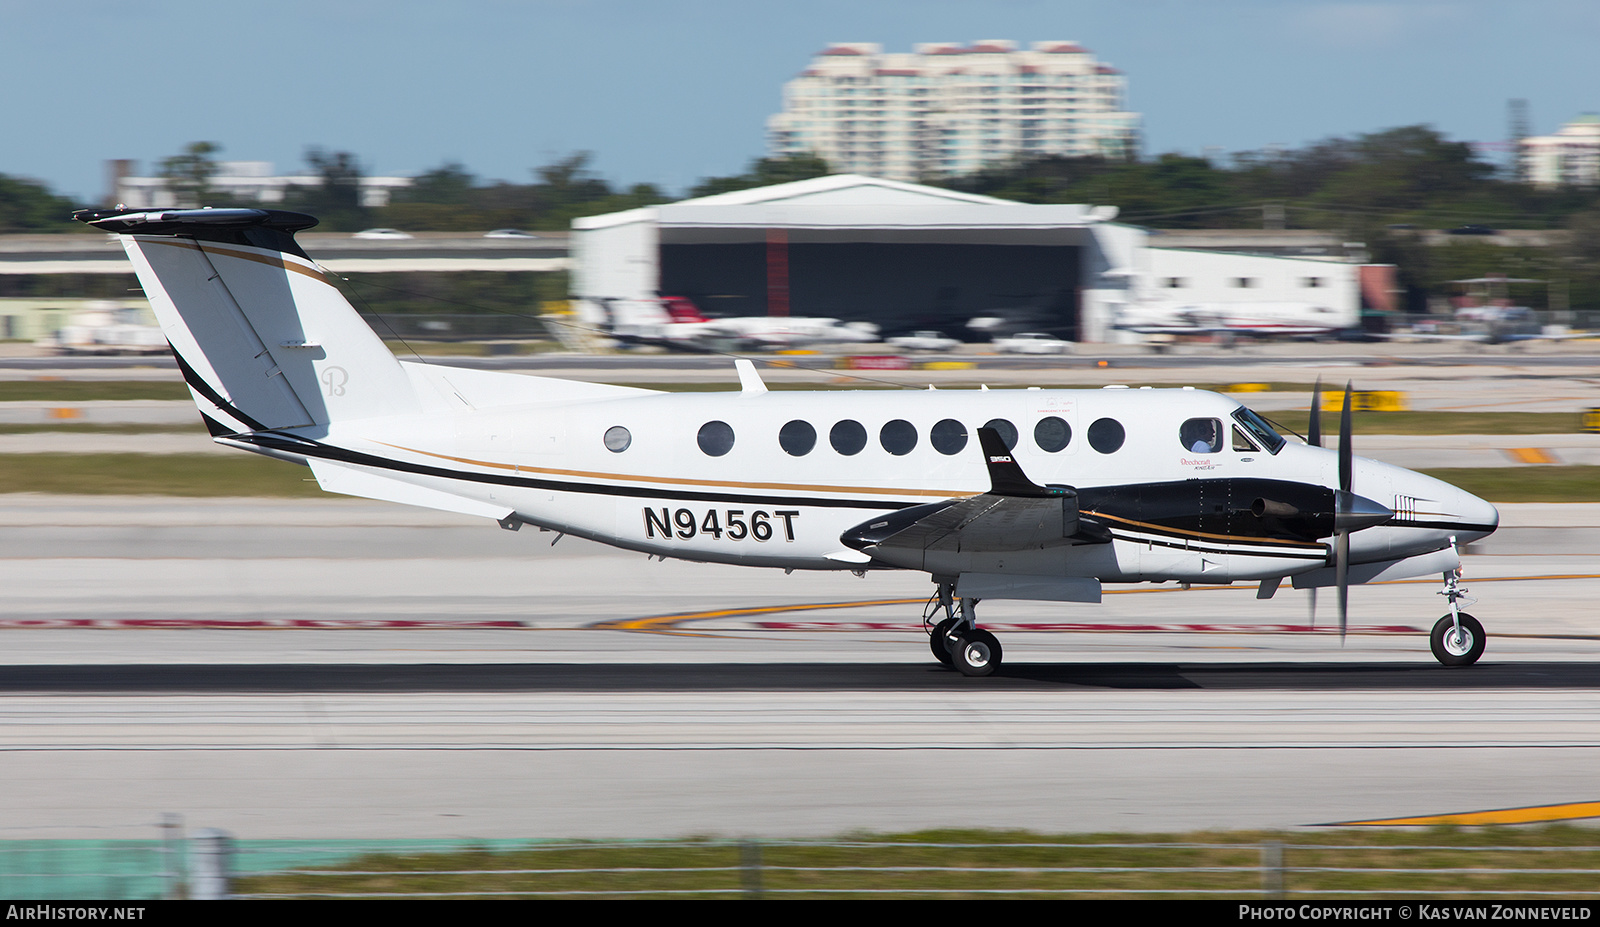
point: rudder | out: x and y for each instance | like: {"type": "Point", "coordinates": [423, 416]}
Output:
{"type": "Point", "coordinates": [263, 337]}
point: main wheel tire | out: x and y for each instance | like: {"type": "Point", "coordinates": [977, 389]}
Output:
{"type": "Point", "coordinates": [976, 653]}
{"type": "Point", "coordinates": [939, 641]}
{"type": "Point", "coordinates": [1453, 649]}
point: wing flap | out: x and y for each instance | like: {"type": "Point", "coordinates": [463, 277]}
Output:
{"type": "Point", "coordinates": [351, 480]}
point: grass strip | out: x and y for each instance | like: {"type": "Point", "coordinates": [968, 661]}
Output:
{"type": "Point", "coordinates": [1437, 423]}
{"type": "Point", "coordinates": [1517, 862]}
{"type": "Point", "coordinates": [1364, 423]}
{"type": "Point", "coordinates": [154, 474]}
{"type": "Point", "coordinates": [197, 430]}
{"type": "Point", "coordinates": [1525, 484]}
{"type": "Point", "coordinates": [91, 390]}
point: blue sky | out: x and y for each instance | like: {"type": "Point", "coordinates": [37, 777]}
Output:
{"type": "Point", "coordinates": [670, 91]}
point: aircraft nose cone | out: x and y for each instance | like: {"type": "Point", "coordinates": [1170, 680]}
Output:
{"type": "Point", "coordinates": [1478, 517]}
{"type": "Point", "coordinates": [1353, 512]}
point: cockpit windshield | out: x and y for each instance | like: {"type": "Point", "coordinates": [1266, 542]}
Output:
{"type": "Point", "coordinates": [1259, 429]}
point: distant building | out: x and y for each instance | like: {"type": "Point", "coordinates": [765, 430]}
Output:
{"type": "Point", "coordinates": [908, 257]}
{"type": "Point", "coordinates": [952, 109]}
{"type": "Point", "coordinates": [240, 181]}
{"type": "Point", "coordinates": [1571, 157]}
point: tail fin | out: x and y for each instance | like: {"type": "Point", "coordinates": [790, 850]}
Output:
{"type": "Point", "coordinates": [262, 336]}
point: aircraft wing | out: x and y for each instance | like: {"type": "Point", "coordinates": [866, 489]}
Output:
{"type": "Point", "coordinates": [1015, 514]}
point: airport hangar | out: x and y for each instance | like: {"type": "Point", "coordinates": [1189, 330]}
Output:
{"type": "Point", "coordinates": [906, 256]}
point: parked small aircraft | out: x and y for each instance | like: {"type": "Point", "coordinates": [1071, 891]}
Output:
{"type": "Point", "coordinates": [1257, 320]}
{"type": "Point", "coordinates": [1061, 491]}
{"type": "Point", "coordinates": [674, 321]}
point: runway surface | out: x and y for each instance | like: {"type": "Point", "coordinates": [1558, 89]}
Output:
{"type": "Point", "coordinates": [355, 670]}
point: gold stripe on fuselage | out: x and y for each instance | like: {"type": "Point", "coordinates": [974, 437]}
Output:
{"type": "Point", "coordinates": [676, 481]}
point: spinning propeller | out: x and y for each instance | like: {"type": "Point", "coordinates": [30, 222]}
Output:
{"type": "Point", "coordinates": [1350, 511]}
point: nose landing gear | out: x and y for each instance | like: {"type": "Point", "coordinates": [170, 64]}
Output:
{"type": "Point", "coordinates": [1457, 638]}
{"type": "Point", "coordinates": [956, 640]}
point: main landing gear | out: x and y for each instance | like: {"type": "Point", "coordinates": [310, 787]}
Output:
{"type": "Point", "coordinates": [1457, 638]}
{"type": "Point", "coordinates": [956, 640]}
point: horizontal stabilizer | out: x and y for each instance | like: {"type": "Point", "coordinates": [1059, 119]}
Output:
{"type": "Point", "coordinates": [350, 480]}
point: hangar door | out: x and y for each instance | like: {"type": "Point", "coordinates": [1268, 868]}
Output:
{"type": "Point", "coordinates": [900, 285]}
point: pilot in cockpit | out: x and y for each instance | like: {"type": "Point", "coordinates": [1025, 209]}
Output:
{"type": "Point", "coordinates": [1201, 436]}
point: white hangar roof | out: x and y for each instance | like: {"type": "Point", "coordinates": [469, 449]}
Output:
{"type": "Point", "coordinates": [842, 202]}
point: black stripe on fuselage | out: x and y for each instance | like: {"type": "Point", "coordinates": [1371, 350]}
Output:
{"type": "Point", "coordinates": [1439, 525]}
{"type": "Point", "coordinates": [329, 452]}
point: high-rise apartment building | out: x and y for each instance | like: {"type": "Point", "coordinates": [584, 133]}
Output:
{"type": "Point", "coordinates": [952, 109]}
{"type": "Point", "coordinates": [1571, 157]}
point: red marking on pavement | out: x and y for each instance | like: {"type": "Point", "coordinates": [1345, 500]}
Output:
{"type": "Point", "coordinates": [247, 624]}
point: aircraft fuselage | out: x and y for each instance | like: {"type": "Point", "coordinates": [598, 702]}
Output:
{"type": "Point", "coordinates": [775, 478]}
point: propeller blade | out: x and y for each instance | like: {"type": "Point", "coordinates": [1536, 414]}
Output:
{"type": "Point", "coordinates": [1341, 573]}
{"type": "Point", "coordinates": [1346, 463]}
{"type": "Point", "coordinates": [1313, 591]}
{"type": "Point", "coordinates": [1314, 430]}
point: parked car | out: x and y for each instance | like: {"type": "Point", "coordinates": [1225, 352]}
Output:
{"type": "Point", "coordinates": [1031, 343]}
{"type": "Point", "coordinates": [509, 233]}
{"type": "Point", "coordinates": [924, 341]}
{"type": "Point", "coordinates": [381, 234]}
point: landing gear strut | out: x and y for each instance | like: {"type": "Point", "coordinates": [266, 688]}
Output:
{"type": "Point", "coordinates": [1457, 638]}
{"type": "Point", "coordinates": [956, 640]}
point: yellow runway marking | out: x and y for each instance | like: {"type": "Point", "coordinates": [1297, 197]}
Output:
{"type": "Point", "coordinates": [1536, 814]}
{"type": "Point", "coordinates": [668, 622]}
{"type": "Point", "coordinates": [1531, 455]}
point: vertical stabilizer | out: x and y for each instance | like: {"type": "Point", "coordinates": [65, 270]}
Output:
{"type": "Point", "coordinates": [263, 337]}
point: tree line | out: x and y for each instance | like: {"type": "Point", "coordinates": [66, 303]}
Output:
{"type": "Point", "coordinates": [1379, 188]}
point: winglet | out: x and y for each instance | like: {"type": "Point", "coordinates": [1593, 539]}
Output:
{"type": "Point", "coordinates": [1005, 477]}
{"type": "Point", "coordinates": [749, 379]}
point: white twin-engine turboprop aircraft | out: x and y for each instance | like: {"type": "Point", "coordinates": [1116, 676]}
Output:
{"type": "Point", "coordinates": [1023, 494]}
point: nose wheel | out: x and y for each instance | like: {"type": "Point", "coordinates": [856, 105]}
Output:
{"type": "Point", "coordinates": [1457, 638]}
{"type": "Point", "coordinates": [956, 641]}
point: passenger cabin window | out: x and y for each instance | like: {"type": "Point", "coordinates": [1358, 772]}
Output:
{"type": "Point", "coordinates": [1052, 434]}
{"type": "Point", "coordinates": [948, 437]}
{"type": "Point", "coordinates": [848, 437]}
{"type": "Point", "coordinates": [898, 437]}
{"type": "Point", "coordinates": [797, 438]}
{"type": "Point", "coordinates": [1006, 430]}
{"type": "Point", "coordinates": [1201, 435]}
{"type": "Point", "coordinates": [716, 438]}
{"type": "Point", "coordinates": [1106, 435]}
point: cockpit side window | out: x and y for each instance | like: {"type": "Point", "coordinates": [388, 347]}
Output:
{"type": "Point", "coordinates": [1201, 435]}
{"type": "Point", "coordinates": [1257, 428]}
{"type": "Point", "coordinates": [1240, 442]}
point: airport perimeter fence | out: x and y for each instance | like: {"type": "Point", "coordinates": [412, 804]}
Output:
{"type": "Point", "coordinates": [211, 864]}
